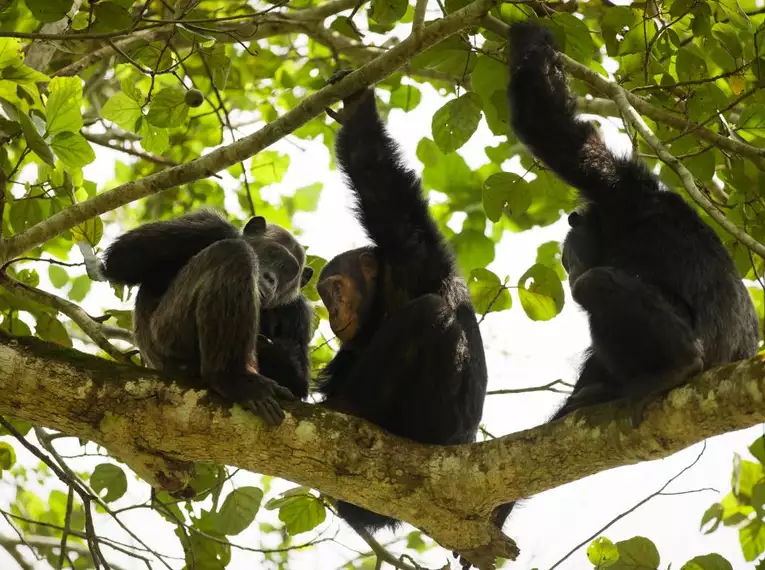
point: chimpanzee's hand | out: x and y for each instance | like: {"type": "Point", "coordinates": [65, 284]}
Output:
{"type": "Point", "coordinates": [255, 392]}
{"type": "Point", "coordinates": [350, 103]}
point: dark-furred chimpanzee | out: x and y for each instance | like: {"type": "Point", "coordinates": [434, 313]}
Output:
{"type": "Point", "coordinates": [662, 294]}
{"type": "Point", "coordinates": [412, 358]}
{"type": "Point", "coordinates": [221, 304]}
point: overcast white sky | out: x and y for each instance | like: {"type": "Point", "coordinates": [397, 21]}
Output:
{"type": "Point", "coordinates": [520, 353]}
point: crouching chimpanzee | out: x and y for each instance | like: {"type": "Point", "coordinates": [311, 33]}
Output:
{"type": "Point", "coordinates": [411, 359]}
{"type": "Point", "coordinates": [662, 294]}
{"type": "Point", "coordinates": [220, 304]}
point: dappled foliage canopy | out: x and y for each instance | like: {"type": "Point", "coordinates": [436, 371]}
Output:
{"type": "Point", "coordinates": [191, 93]}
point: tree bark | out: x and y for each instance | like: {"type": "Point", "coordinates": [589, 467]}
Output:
{"type": "Point", "coordinates": [160, 426]}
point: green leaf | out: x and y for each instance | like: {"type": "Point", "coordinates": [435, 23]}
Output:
{"type": "Point", "coordinates": [752, 539]}
{"type": "Point", "coordinates": [579, 42]}
{"type": "Point", "coordinates": [58, 276]}
{"type": "Point", "coordinates": [543, 299]}
{"type": "Point", "coordinates": [387, 12]}
{"type": "Point", "coordinates": [34, 141]}
{"type": "Point", "coordinates": [63, 106]}
{"type": "Point", "coordinates": [505, 190]}
{"type": "Point", "coordinates": [302, 514]}
{"type": "Point", "coordinates": [615, 20]}
{"type": "Point", "coordinates": [549, 254]}
{"type": "Point", "coordinates": [758, 499]}
{"type": "Point", "coordinates": [73, 150]}
{"type": "Point", "coordinates": [50, 328]}
{"type": "Point", "coordinates": [758, 449]}
{"type": "Point", "coordinates": [111, 478]}
{"type": "Point", "coordinates": [306, 199]}
{"type": "Point", "coordinates": [637, 553]}
{"type": "Point", "coordinates": [168, 108]}
{"type": "Point", "coordinates": [745, 476]}
{"type": "Point", "coordinates": [123, 111]}
{"type": "Point", "coordinates": [602, 553]}
{"type": "Point", "coordinates": [238, 510]}
{"type": "Point", "coordinates": [91, 231]}
{"type": "Point", "coordinates": [344, 25]}
{"type": "Point", "coordinates": [488, 292]}
{"type": "Point", "coordinates": [49, 10]}
{"type": "Point", "coordinates": [80, 288]}
{"type": "Point", "coordinates": [454, 123]}
{"type": "Point", "coordinates": [155, 139]}
{"type": "Point", "coordinates": [405, 97]}
{"type": "Point", "coordinates": [19, 425]}
{"type": "Point", "coordinates": [637, 38]}
{"type": "Point", "coordinates": [287, 497]}
{"type": "Point", "coordinates": [219, 64]}
{"type": "Point", "coordinates": [489, 79]}
{"type": "Point", "coordinates": [751, 122]}
{"type": "Point", "coordinates": [7, 456]}
{"type": "Point", "coordinates": [690, 66]}
{"type": "Point", "coordinates": [24, 75]}
{"type": "Point", "coordinates": [269, 167]}
{"type": "Point", "coordinates": [414, 541]}
{"type": "Point", "coordinates": [130, 89]}
{"type": "Point", "coordinates": [112, 16]}
{"type": "Point", "coordinates": [10, 52]}
{"type": "Point", "coordinates": [452, 56]}
{"type": "Point", "coordinates": [474, 250]}
{"type": "Point", "coordinates": [707, 562]}
{"type": "Point", "coordinates": [713, 513]}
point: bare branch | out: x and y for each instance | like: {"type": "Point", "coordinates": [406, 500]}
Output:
{"type": "Point", "coordinates": [103, 140]}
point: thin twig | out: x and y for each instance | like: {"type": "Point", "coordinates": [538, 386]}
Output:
{"type": "Point", "coordinates": [67, 527]}
{"type": "Point", "coordinates": [637, 122]}
{"type": "Point", "coordinates": [549, 387]}
{"type": "Point", "coordinates": [381, 552]}
{"type": "Point", "coordinates": [71, 481]}
{"type": "Point", "coordinates": [45, 439]}
{"type": "Point", "coordinates": [88, 324]}
{"type": "Point", "coordinates": [419, 16]}
{"type": "Point", "coordinates": [630, 510]}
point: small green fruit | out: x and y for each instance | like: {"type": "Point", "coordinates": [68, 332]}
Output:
{"type": "Point", "coordinates": [194, 98]}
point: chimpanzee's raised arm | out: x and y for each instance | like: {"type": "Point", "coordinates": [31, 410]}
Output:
{"type": "Point", "coordinates": [390, 202]}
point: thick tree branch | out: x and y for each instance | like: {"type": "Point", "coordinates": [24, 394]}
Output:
{"type": "Point", "coordinates": [448, 492]}
{"type": "Point", "coordinates": [312, 106]}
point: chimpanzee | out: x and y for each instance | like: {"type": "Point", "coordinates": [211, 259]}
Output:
{"type": "Point", "coordinates": [221, 304]}
{"type": "Point", "coordinates": [411, 358]}
{"type": "Point", "coordinates": [662, 294]}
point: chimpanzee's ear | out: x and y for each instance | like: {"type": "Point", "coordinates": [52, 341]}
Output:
{"type": "Point", "coordinates": [255, 227]}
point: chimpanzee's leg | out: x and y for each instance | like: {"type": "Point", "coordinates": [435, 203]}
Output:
{"type": "Point", "coordinates": [637, 335]}
{"type": "Point", "coordinates": [209, 316]}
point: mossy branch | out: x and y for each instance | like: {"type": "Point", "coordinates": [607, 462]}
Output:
{"type": "Point", "coordinates": [161, 426]}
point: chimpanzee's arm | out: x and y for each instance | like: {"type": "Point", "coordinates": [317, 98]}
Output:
{"type": "Point", "coordinates": [154, 253]}
{"type": "Point", "coordinates": [391, 205]}
{"type": "Point", "coordinates": [283, 345]}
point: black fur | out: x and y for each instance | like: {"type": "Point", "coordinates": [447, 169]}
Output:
{"type": "Point", "coordinates": [663, 296]}
{"type": "Point", "coordinates": [416, 367]}
{"type": "Point", "coordinates": [200, 306]}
